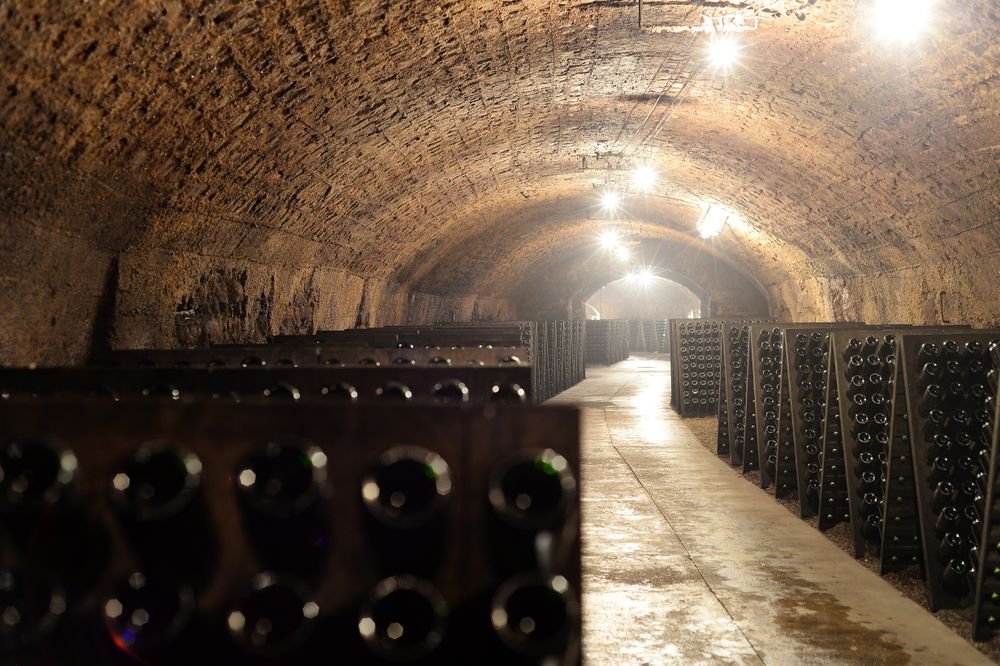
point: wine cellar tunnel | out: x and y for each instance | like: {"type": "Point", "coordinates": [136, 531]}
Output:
{"type": "Point", "coordinates": [287, 168]}
{"type": "Point", "coordinates": [422, 200]}
{"type": "Point", "coordinates": [646, 296]}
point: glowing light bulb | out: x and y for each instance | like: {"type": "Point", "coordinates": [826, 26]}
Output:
{"type": "Point", "coordinates": [712, 221]}
{"type": "Point", "coordinates": [901, 20]}
{"type": "Point", "coordinates": [723, 51]}
{"type": "Point", "coordinates": [644, 277]}
{"type": "Point", "coordinates": [610, 201]}
{"type": "Point", "coordinates": [644, 178]}
{"type": "Point", "coordinates": [609, 239]}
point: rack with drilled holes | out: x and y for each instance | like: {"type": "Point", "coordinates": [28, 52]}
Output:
{"type": "Point", "coordinates": [945, 377]}
{"type": "Point", "coordinates": [986, 606]}
{"type": "Point", "coordinates": [695, 363]}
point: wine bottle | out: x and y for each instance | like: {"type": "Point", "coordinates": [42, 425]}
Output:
{"type": "Point", "coordinates": [409, 488]}
{"type": "Point", "coordinates": [157, 495]}
{"type": "Point", "coordinates": [341, 392]}
{"type": "Point", "coordinates": [34, 474]}
{"type": "Point", "coordinates": [452, 391]}
{"type": "Point", "coordinates": [532, 490]}
{"type": "Point", "coordinates": [404, 619]}
{"type": "Point", "coordinates": [280, 487]}
{"type": "Point", "coordinates": [394, 392]}
{"type": "Point", "coordinates": [955, 577]}
{"type": "Point", "coordinates": [31, 610]}
{"type": "Point", "coordinates": [148, 614]}
{"type": "Point", "coordinates": [508, 392]}
{"type": "Point", "coordinates": [274, 619]}
{"type": "Point", "coordinates": [536, 616]}
{"type": "Point", "coordinates": [282, 391]}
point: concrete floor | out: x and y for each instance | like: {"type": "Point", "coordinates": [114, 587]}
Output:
{"type": "Point", "coordinates": [686, 563]}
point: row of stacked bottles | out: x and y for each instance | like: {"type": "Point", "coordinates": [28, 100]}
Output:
{"type": "Point", "coordinates": [402, 519]}
{"type": "Point", "coordinates": [887, 429]}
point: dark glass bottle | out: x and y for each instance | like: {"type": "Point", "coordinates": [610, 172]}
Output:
{"type": "Point", "coordinates": [32, 609]}
{"type": "Point", "coordinates": [280, 487]}
{"type": "Point", "coordinates": [451, 391]}
{"type": "Point", "coordinates": [536, 616]}
{"type": "Point", "coordinates": [273, 619]}
{"type": "Point", "coordinates": [157, 495]}
{"type": "Point", "coordinates": [146, 615]}
{"type": "Point", "coordinates": [508, 393]}
{"type": "Point", "coordinates": [403, 620]}
{"type": "Point", "coordinates": [394, 392]}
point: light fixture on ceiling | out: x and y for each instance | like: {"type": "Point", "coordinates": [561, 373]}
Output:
{"type": "Point", "coordinates": [714, 219]}
{"type": "Point", "coordinates": [609, 239]}
{"type": "Point", "coordinates": [723, 51]}
{"type": "Point", "coordinates": [901, 20]}
{"type": "Point", "coordinates": [610, 201]}
{"type": "Point", "coordinates": [643, 277]}
{"type": "Point", "coordinates": [644, 178]}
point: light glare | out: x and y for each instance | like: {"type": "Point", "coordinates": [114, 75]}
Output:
{"type": "Point", "coordinates": [713, 220]}
{"type": "Point", "coordinates": [644, 178]}
{"type": "Point", "coordinates": [610, 201]}
{"type": "Point", "coordinates": [623, 253]}
{"type": "Point", "coordinates": [609, 240]}
{"type": "Point", "coordinates": [901, 20]}
{"type": "Point", "coordinates": [723, 51]}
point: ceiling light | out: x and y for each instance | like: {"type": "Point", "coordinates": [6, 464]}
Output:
{"type": "Point", "coordinates": [609, 239]}
{"type": "Point", "coordinates": [713, 220]}
{"type": "Point", "coordinates": [645, 277]}
{"type": "Point", "coordinates": [610, 201]}
{"type": "Point", "coordinates": [723, 51]}
{"type": "Point", "coordinates": [644, 178]}
{"type": "Point", "coordinates": [901, 20]}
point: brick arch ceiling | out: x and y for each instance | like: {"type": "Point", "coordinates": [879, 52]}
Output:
{"type": "Point", "coordinates": [267, 165]}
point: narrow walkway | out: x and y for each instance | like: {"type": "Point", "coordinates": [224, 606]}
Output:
{"type": "Point", "coordinates": [686, 563]}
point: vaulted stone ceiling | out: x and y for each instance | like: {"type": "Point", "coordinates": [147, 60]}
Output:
{"type": "Point", "coordinates": [195, 172]}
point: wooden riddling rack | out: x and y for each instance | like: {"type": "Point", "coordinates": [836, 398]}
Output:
{"type": "Point", "coordinates": [695, 364]}
{"type": "Point", "coordinates": [986, 605]}
{"type": "Point", "coordinates": [337, 541]}
{"type": "Point", "coordinates": [228, 400]}
{"type": "Point", "coordinates": [607, 341]}
{"type": "Point", "coordinates": [768, 444]}
{"type": "Point", "coordinates": [950, 407]}
{"type": "Point", "coordinates": [731, 391]}
{"type": "Point", "coordinates": [554, 350]}
{"type": "Point", "coordinates": [648, 335]}
{"type": "Point", "coordinates": [887, 436]}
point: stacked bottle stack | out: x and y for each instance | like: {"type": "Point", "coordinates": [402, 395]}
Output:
{"type": "Point", "coordinates": [808, 391]}
{"type": "Point", "coordinates": [607, 341]}
{"type": "Point", "coordinates": [722, 432]}
{"type": "Point", "coordinates": [164, 532]}
{"type": "Point", "coordinates": [901, 547]}
{"type": "Point", "coordinates": [700, 362]}
{"type": "Point", "coordinates": [647, 335]}
{"type": "Point", "coordinates": [769, 353]}
{"type": "Point", "coordinates": [949, 407]}
{"type": "Point", "coordinates": [986, 617]}
{"type": "Point", "coordinates": [834, 503]}
{"type": "Point", "coordinates": [785, 485]}
{"type": "Point", "coordinates": [554, 350]}
{"type": "Point", "coordinates": [737, 349]}
{"type": "Point", "coordinates": [869, 371]}
{"type": "Point", "coordinates": [663, 336]}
